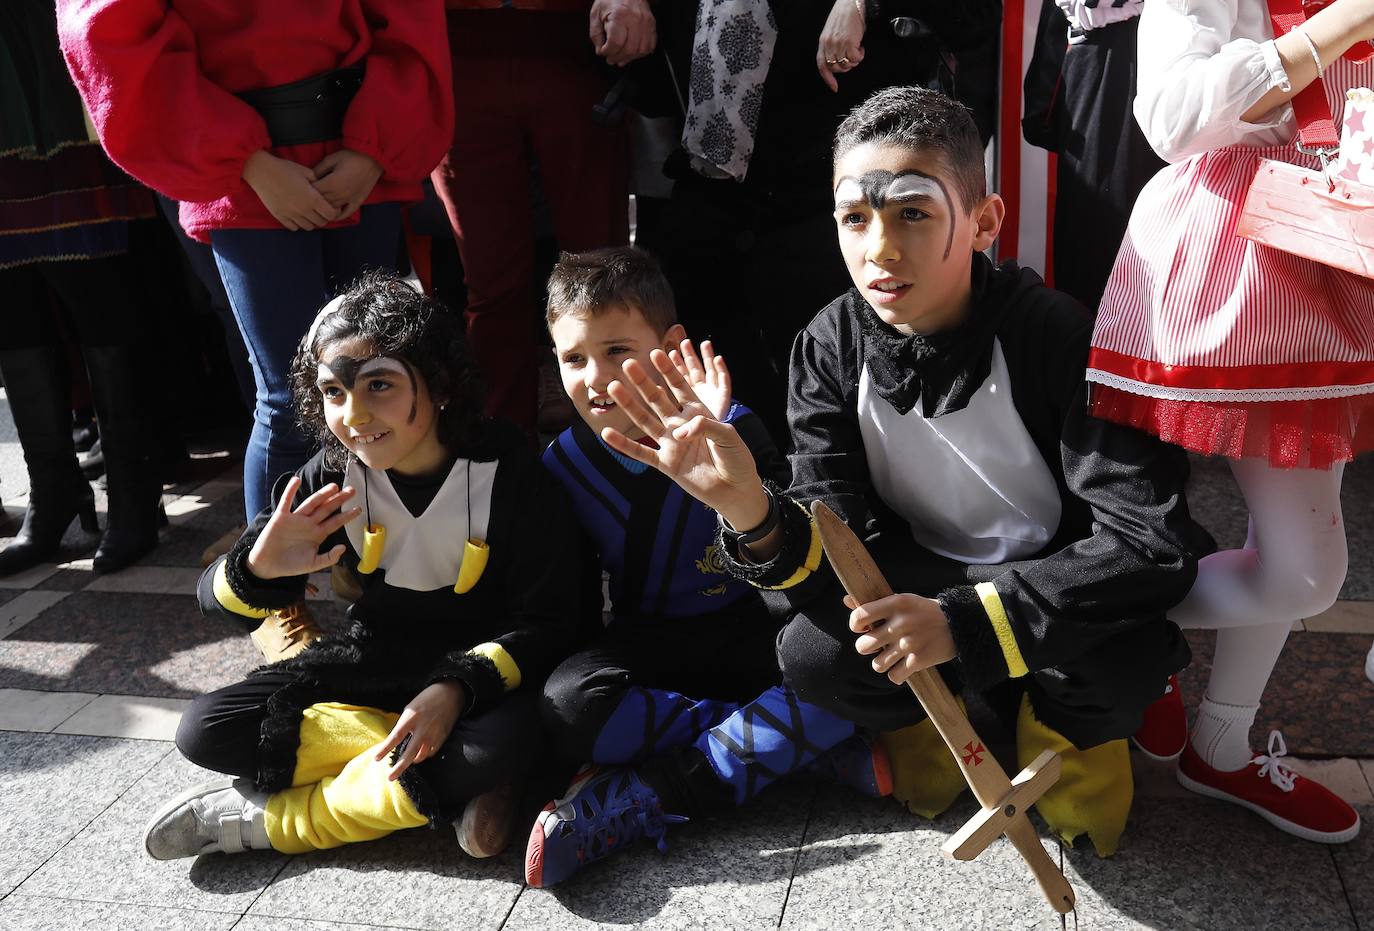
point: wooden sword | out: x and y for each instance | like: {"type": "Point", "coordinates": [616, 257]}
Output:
{"type": "Point", "coordinates": [1004, 801]}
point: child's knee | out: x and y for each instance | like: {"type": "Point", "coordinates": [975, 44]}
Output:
{"type": "Point", "coordinates": [192, 737]}
{"type": "Point", "coordinates": [1305, 583]}
{"type": "Point", "coordinates": [573, 711]}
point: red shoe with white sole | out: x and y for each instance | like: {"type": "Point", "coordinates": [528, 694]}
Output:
{"type": "Point", "coordinates": [1164, 732]}
{"type": "Point", "coordinates": [1288, 801]}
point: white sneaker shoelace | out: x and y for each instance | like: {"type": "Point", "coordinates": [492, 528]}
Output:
{"type": "Point", "coordinates": [1269, 763]}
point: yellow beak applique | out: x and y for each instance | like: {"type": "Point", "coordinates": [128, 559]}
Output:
{"type": "Point", "coordinates": [475, 555]}
{"type": "Point", "coordinates": [374, 541]}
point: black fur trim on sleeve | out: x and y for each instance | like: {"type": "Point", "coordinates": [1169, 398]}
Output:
{"type": "Point", "coordinates": [477, 673]}
{"type": "Point", "coordinates": [269, 594]}
{"type": "Point", "coordinates": [980, 653]}
{"type": "Point", "coordinates": [796, 543]}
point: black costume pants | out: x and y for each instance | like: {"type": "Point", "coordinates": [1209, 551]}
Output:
{"type": "Point", "coordinates": [1099, 696]}
{"type": "Point", "coordinates": [650, 686]}
{"type": "Point", "coordinates": [221, 731]}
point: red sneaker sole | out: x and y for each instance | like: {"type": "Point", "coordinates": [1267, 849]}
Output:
{"type": "Point", "coordinates": [534, 851]}
{"type": "Point", "coordinates": [1155, 756]}
{"type": "Point", "coordinates": [882, 769]}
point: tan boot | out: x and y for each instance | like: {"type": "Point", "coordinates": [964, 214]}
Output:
{"type": "Point", "coordinates": [222, 544]}
{"type": "Point", "coordinates": [344, 584]}
{"type": "Point", "coordinates": [283, 634]}
{"type": "Point", "coordinates": [484, 830]}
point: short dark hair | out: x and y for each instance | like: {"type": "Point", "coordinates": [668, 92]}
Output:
{"type": "Point", "coordinates": [920, 119]}
{"type": "Point", "coordinates": [403, 324]}
{"type": "Point", "coordinates": [588, 283]}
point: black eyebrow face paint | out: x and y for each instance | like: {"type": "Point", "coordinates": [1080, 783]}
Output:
{"type": "Point", "coordinates": [346, 370]}
{"type": "Point", "coordinates": [878, 186]}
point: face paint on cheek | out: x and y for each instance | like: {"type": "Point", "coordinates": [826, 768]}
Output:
{"type": "Point", "coordinates": [912, 184]}
{"type": "Point", "coordinates": [878, 186]}
{"type": "Point", "coordinates": [397, 365]}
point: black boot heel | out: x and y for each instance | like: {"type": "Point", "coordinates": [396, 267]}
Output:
{"type": "Point", "coordinates": [40, 404]}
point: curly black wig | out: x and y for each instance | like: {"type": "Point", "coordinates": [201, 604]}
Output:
{"type": "Point", "coordinates": [402, 324]}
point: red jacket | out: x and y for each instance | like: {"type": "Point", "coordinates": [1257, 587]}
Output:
{"type": "Point", "coordinates": [159, 78]}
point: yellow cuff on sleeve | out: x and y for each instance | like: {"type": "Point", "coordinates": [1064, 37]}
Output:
{"type": "Point", "coordinates": [224, 594]}
{"type": "Point", "coordinates": [810, 564]}
{"type": "Point", "coordinates": [1001, 625]}
{"type": "Point", "coordinates": [505, 663]}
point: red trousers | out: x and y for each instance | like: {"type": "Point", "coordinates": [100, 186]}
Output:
{"type": "Point", "coordinates": [524, 86]}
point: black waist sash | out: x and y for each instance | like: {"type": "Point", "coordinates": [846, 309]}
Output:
{"type": "Point", "coordinates": [311, 110]}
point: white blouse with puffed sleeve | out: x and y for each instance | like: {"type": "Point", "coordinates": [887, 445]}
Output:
{"type": "Point", "coordinates": [1202, 64]}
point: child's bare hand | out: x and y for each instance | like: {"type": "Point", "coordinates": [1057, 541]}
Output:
{"type": "Point", "coordinates": [287, 190]}
{"type": "Point", "coordinates": [905, 633]}
{"type": "Point", "coordinates": [290, 543]}
{"type": "Point", "coordinates": [427, 720]}
{"type": "Point", "coordinates": [707, 374]}
{"type": "Point", "coordinates": [705, 457]}
{"type": "Point", "coordinates": [346, 178]}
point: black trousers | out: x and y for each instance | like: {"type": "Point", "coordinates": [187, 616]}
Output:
{"type": "Point", "coordinates": [221, 731]}
{"type": "Point", "coordinates": [1096, 697]}
{"type": "Point", "coordinates": [98, 297]}
{"type": "Point", "coordinates": [730, 656]}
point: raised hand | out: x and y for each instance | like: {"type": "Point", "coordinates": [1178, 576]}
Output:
{"type": "Point", "coordinates": [427, 721]}
{"type": "Point", "coordinates": [707, 375]}
{"type": "Point", "coordinates": [290, 543]}
{"type": "Point", "coordinates": [287, 190]}
{"type": "Point", "coordinates": [707, 458]}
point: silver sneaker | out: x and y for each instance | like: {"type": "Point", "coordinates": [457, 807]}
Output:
{"type": "Point", "coordinates": [226, 816]}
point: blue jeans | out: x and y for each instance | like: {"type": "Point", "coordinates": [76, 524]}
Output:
{"type": "Point", "coordinates": [277, 280]}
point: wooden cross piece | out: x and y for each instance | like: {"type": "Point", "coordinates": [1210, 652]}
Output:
{"type": "Point", "coordinates": [1004, 800]}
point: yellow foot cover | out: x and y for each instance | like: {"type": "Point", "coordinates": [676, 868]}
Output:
{"type": "Point", "coordinates": [925, 777]}
{"type": "Point", "coordinates": [1094, 791]}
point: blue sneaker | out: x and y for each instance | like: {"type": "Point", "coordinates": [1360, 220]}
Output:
{"type": "Point", "coordinates": [603, 811]}
{"type": "Point", "coordinates": [859, 762]}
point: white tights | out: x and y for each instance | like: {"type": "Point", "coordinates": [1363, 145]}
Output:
{"type": "Point", "coordinates": [1292, 567]}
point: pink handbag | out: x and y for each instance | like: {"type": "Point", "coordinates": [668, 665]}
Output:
{"type": "Point", "coordinates": [1311, 213]}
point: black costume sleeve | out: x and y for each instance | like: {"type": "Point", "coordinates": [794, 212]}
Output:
{"type": "Point", "coordinates": [771, 464]}
{"type": "Point", "coordinates": [1138, 561]}
{"type": "Point", "coordinates": [228, 589]}
{"type": "Point", "coordinates": [545, 583]}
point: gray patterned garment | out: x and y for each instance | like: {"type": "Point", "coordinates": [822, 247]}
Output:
{"type": "Point", "coordinates": [731, 52]}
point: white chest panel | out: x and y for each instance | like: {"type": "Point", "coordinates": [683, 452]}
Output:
{"type": "Point", "coordinates": [971, 484]}
{"type": "Point", "coordinates": [424, 553]}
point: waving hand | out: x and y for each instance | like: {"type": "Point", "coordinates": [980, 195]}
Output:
{"type": "Point", "coordinates": [707, 458]}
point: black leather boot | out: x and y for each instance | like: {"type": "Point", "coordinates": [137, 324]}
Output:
{"type": "Point", "coordinates": [39, 395]}
{"type": "Point", "coordinates": [128, 441]}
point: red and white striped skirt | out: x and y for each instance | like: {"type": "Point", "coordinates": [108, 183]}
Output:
{"type": "Point", "coordinates": [1224, 346]}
